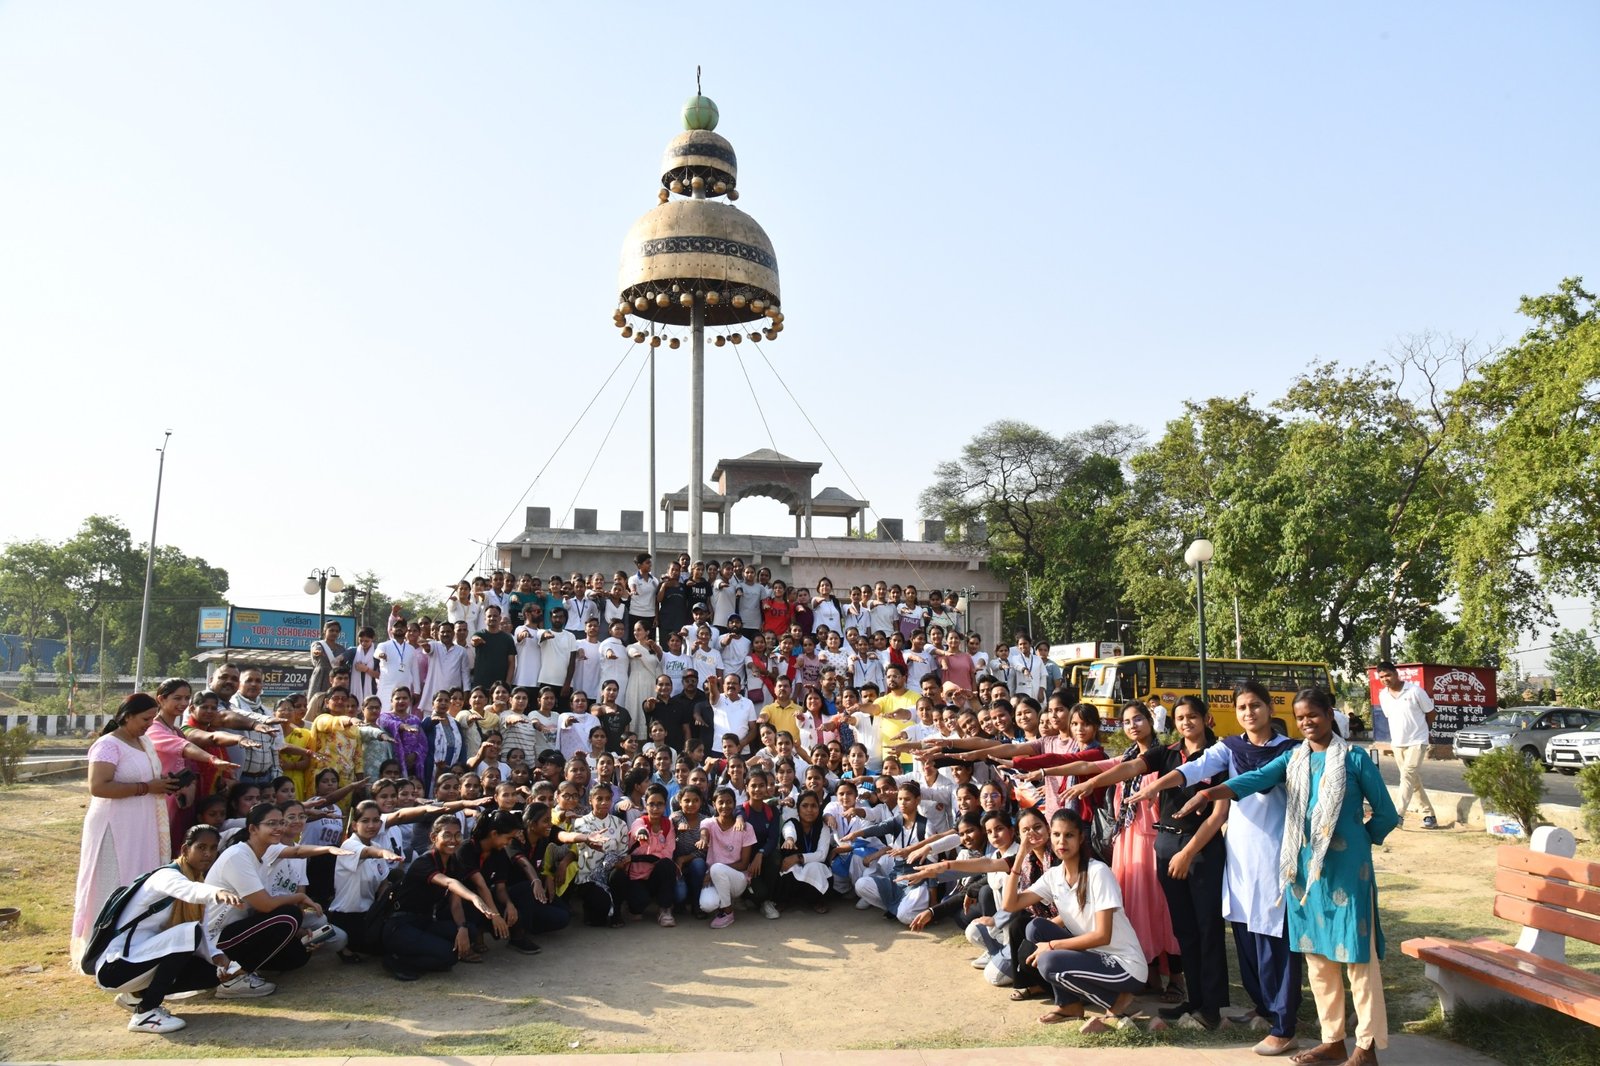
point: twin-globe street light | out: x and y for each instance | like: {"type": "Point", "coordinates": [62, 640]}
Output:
{"type": "Point", "coordinates": [1198, 555]}
{"type": "Point", "coordinates": [319, 584]}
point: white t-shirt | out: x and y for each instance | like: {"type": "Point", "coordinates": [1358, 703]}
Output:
{"type": "Point", "coordinates": [1104, 895]}
{"type": "Point", "coordinates": [731, 716]}
{"type": "Point", "coordinates": [575, 737]}
{"type": "Point", "coordinates": [356, 880]}
{"type": "Point", "coordinates": [674, 666]}
{"type": "Point", "coordinates": [642, 598]}
{"type": "Point", "coordinates": [530, 655]}
{"type": "Point", "coordinates": [586, 678]}
{"type": "Point", "coordinates": [884, 618]}
{"type": "Point", "coordinates": [470, 613]}
{"type": "Point", "coordinates": [238, 871]}
{"type": "Point", "coordinates": [824, 613]}
{"type": "Point", "coordinates": [614, 664]}
{"type": "Point", "coordinates": [557, 653]}
{"type": "Point", "coordinates": [1407, 713]}
{"type": "Point", "coordinates": [734, 653]}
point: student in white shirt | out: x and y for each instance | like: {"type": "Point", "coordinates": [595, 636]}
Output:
{"type": "Point", "coordinates": [586, 672]}
{"type": "Point", "coordinates": [1409, 711]}
{"type": "Point", "coordinates": [576, 725]}
{"type": "Point", "coordinates": [644, 590]}
{"type": "Point", "coordinates": [558, 654]}
{"type": "Point", "coordinates": [724, 597]}
{"type": "Point", "coordinates": [1091, 954]}
{"type": "Point", "coordinates": [162, 921]}
{"type": "Point", "coordinates": [613, 654]}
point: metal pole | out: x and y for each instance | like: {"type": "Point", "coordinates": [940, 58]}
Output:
{"type": "Point", "coordinates": [1200, 598]}
{"type": "Point", "coordinates": [1238, 637]}
{"type": "Point", "coordinates": [697, 415]}
{"type": "Point", "coordinates": [150, 569]}
{"type": "Point", "coordinates": [1028, 593]}
{"type": "Point", "coordinates": [650, 504]}
{"type": "Point", "coordinates": [322, 602]}
{"type": "Point", "coordinates": [102, 661]}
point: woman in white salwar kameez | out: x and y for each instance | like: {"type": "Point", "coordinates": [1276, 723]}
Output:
{"type": "Point", "coordinates": [804, 876]}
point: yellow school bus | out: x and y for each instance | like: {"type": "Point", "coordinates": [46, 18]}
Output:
{"type": "Point", "coordinates": [1110, 683]}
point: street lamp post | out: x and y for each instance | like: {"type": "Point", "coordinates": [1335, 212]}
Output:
{"type": "Point", "coordinates": [150, 569]}
{"type": "Point", "coordinates": [964, 605]}
{"type": "Point", "coordinates": [318, 584]}
{"type": "Point", "coordinates": [1198, 555]}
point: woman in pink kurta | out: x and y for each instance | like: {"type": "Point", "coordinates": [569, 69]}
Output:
{"type": "Point", "coordinates": [177, 753]}
{"type": "Point", "coordinates": [125, 829]}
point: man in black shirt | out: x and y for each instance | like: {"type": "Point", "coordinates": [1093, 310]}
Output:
{"type": "Point", "coordinates": [693, 709]}
{"type": "Point", "coordinates": [497, 652]}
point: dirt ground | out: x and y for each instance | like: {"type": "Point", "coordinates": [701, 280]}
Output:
{"type": "Point", "coordinates": [847, 979]}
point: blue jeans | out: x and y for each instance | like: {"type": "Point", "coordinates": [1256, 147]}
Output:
{"type": "Point", "coordinates": [694, 876]}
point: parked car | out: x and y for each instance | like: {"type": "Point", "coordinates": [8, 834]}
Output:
{"type": "Point", "coordinates": [1527, 729]}
{"type": "Point", "coordinates": [1571, 752]}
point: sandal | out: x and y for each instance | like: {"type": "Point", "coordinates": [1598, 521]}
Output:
{"type": "Point", "coordinates": [350, 956]}
{"type": "Point", "coordinates": [471, 957]}
{"type": "Point", "coordinates": [1057, 1016]}
{"type": "Point", "coordinates": [1019, 994]}
{"type": "Point", "coordinates": [1174, 993]}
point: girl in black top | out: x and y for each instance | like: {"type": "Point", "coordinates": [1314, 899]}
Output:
{"type": "Point", "coordinates": [1189, 859]}
{"type": "Point", "coordinates": [428, 930]}
{"type": "Point", "coordinates": [489, 870]}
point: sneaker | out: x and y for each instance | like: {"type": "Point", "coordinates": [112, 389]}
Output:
{"type": "Point", "coordinates": [127, 1001]}
{"type": "Point", "coordinates": [245, 986]}
{"type": "Point", "coordinates": [722, 920]}
{"type": "Point", "coordinates": [665, 920]}
{"type": "Point", "coordinates": [525, 944]}
{"type": "Point", "coordinates": [769, 909]}
{"type": "Point", "coordinates": [998, 975]}
{"type": "Point", "coordinates": [981, 961]}
{"type": "Point", "coordinates": [1430, 822]}
{"type": "Point", "coordinates": [155, 1021]}
{"type": "Point", "coordinates": [863, 904]}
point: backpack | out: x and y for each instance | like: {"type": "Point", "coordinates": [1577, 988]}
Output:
{"type": "Point", "coordinates": [106, 930]}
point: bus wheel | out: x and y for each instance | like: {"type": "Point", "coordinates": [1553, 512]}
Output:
{"type": "Point", "coordinates": [1279, 728]}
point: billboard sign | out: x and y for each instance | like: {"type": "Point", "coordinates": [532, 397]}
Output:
{"type": "Point", "coordinates": [212, 631]}
{"type": "Point", "coordinates": [1462, 696]}
{"type": "Point", "coordinates": [260, 630]}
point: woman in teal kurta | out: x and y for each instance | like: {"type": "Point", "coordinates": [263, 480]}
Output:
{"type": "Point", "coordinates": [1325, 867]}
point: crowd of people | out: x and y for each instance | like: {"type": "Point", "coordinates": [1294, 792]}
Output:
{"type": "Point", "coordinates": [710, 743]}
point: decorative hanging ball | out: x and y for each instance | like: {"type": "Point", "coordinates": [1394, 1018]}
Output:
{"type": "Point", "coordinates": [655, 342]}
{"type": "Point", "coordinates": [713, 298]}
{"type": "Point", "coordinates": [677, 186]}
{"type": "Point", "coordinates": [758, 307]}
{"type": "Point", "coordinates": [778, 328]}
{"type": "Point", "coordinates": [737, 338]}
{"type": "Point", "coordinates": [733, 194]}
{"type": "Point", "coordinates": [686, 300]}
{"type": "Point", "coordinates": [663, 196]}
{"type": "Point", "coordinates": [697, 182]}
{"type": "Point", "coordinates": [663, 300]}
{"type": "Point", "coordinates": [638, 338]}
{"type": "Point", "coordinates": [720, 187]}
{"type": "Point", "coordinates": [673, 343]}
{"type": "Point", "coordinates": [624, 308]}
{"type": "Point", "coordinates": [739, 301]}
{"type": "Point", "coordinates": [721, 340]}
{"type": "Point", "coordinates": [640, 303]}
{"type": "Point", "coordinates": [627, 331]}
{"type": "Point", "coordinates": [771, 334]}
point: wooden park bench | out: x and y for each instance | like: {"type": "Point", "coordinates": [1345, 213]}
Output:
{"type": "Point", "coordinates": [1553, 896]}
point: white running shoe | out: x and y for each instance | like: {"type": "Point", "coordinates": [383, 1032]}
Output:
{"type": "Point", "coordinates": [155, 1021]}
{"type": "Point", "coordinates": [246, 986]}
{"type": "Point", "coordinates": [981, 961]}
{"type": "Point", "coordinates": [769, 909]}
{"type": "Point", "coordinates": [127, 1001]}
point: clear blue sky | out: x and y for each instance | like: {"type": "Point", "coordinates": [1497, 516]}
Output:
{"type": "Point", "coordinates": [365, 254]}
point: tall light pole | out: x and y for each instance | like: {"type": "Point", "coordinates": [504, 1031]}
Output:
{"type": "Point", "coordinates": [150, 568]}
{"type": "Point", "coordinates": [318, 584]}
{"type": "Point", "coordinates": [1198, 555]}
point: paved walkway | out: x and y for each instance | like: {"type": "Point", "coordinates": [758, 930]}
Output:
{"type": "Point", "coordinates": [1403, 1050]}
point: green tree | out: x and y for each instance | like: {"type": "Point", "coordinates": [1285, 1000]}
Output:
{"type": "Point", "coordinates": [1574, 664]}
{"type": "Point", "coordinates": [1330, 510]}
{"type": "Point", "coordinates": [1536, 416]}
{"type": "Point", "coordinates": [33, 594]}
{"type": "Point", "coordinates": [1049, 503]}
{"type": "Point", "coordinates": [363, 599]}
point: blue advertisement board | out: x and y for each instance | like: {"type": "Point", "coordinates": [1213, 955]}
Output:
{"type": "Point", "coordinates": [253, 629]}
{"type": "Point", "coordinates": [213, 629]}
